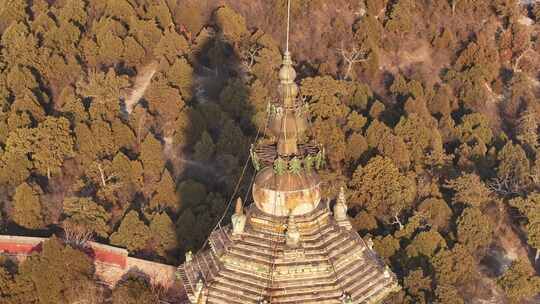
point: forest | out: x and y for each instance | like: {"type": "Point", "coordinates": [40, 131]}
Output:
{"type": "Point", "coordinates": [129, 122]}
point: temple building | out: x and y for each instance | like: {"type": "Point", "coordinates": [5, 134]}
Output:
{"type": "Point", "coordinates": [288, 246]}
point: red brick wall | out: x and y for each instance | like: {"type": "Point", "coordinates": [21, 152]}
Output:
{"type": "Point", "coordinates": [111, 262]}
{"type": "Point", "coordinates": [20, 245]}
{"type": "Point", "coordinates": [16, 245]}
{"type": "Point", "coordinates": [108, 257]}
{"type": "Point", "coordinates": [16, 248]}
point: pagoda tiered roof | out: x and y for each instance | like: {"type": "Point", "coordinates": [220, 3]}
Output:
{"type": "Point", "coordinates": [330, 261]}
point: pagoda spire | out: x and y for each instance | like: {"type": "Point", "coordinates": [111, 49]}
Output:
{"type": "Point", "coordinates": [287, 183]}
{"type": "Point", "coordinates": [287, 143]}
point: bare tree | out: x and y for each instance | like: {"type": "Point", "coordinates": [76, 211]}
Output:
{"type": "Point", "coordinates": [104, 178]}
{"type": "Point", "coordinates": [76, 235]}
{"type": "Point", "coordinates": [248, 57]}
{"type": "Point", "coordinates": [504, 186]}
{"type": "Point", "coordinates": [351, 57]}
{"type": "Point", "coordinates": [397, 221]}
{"type": "Point", "coordinates": [453, 4]}
{"type": "Point", "coordinates": [518, 59]}
{"type": "Point", "coordinates": [159, 286]}
{"type": "Point", "coordinates": [87, 292]}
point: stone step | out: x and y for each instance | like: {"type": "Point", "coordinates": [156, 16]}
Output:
{"type": "Point", "coordinates": [371, 289]}
{"type": "Point", "coordinates": [239, 286]}
{"type": "Point", "coordinates": [358, 286]}
{"type": "Point", "coordinates": [220, 296]}
{"type": "Point", "coordinates": [357, 279]}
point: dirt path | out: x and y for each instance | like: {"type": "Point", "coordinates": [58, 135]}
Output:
{"type": "Point", "coordinates": [142, 81]}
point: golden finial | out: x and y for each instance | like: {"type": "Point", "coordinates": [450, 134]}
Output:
{"type": "Point", "coordinates": [287, 74]}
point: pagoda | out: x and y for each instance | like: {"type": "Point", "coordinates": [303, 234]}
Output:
{"type": "Point", "coordinates": [289, 246]}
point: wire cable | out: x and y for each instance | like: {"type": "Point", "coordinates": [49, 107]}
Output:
{"type": "Point", "coordinates": [288, 25]}
{"type": "Point", "coordinates": [236, 188]}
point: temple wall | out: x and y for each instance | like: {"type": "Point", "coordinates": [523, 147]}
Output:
{"type": "Point", "coordinates": [112, 264]}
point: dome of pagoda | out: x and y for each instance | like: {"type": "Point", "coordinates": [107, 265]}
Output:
{"type": "Point", "coordinates": [287, 193]}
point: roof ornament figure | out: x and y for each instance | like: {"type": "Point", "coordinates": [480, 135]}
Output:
{"type": "Point", "coordinates": [340, 209]}
{"type": "Point", "coordinates": [263, 301]}
{"type": "Point", "coordinates": [369, 243]}
{"type": "Point", "coordinates": [189, 256]}
{"type": "Point", "coordinates": [346, 298]}
{"type": "Point", "coordinates": [387, 272]}
{"type": "Point", "coordinates": [292, 235]}
{"type": "Point", "coordinates": [238, 219]}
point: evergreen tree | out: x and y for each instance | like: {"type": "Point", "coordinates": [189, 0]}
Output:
{"type": "Point", "coordinates": [514, 166]}
{"type": "Point", "coordinates": [474, 127]}
{"type": "Point", "coordinates": [382, 189]}
{"type": "Point", "coordinates": [164, 235]}
{"type": "Point", "coordinates": [109, 44]}
{"type": "Point", "coordinates": [448, 294]}
{"type": "Point", "coordinates": [122, 134]}
{"type": "Point", "coordinates": [180, 74]}
{"type": "Point", "coordinates": [164, 100]}
{"type": "Point", "coordinates": [232, 25]}
{"type": "Point", "coordinates": [121, 9]}
{"type": "Point", "coordinates": [52, 276]}
{"type": "Point", "coordinates": [129, 174]}
{"type": "Point", "coordinates": [83, 211]}
{"type": "Point", "coordinates": [474, 230]}
{"type": "Point", "coordinates": [419, 137]}
{"type": "Point", "coordinates": [165, 195]}
{"type": "Point", "coordinates": [105, 91]}
{"type": "Point", "coordinates": [146, 32]}
{"type": "Point", "coordinates": [19, 45]}
{"type": "Point", "coordinates": [401, 21]}
{"type": "Point", "coordinates": [386, 246]}
{"type": "Point", "coordinates": [469, 189]}
{"type": "Point", "coordinates": [188, 14]}
{"type": "Point", "coordinates": [20, 79]}
{"type": "Point", "coordinates": [528, 129]}
{"type": "Point", "coordinates": [356, 146]}
{"type": "Point", "coordinates": [133, 51]}
{"type": "Point", "coordinates": [204, 148]}
{"type": "Point", "coordinates": [426, 243]}
{"type": "Point", "coordinates": [171, 45]}
{"type": "Point", "coordinates": [417, 284]}
{"type": "Point", "coordinates": [73, 11]}
{"type": "Point", "coordinates": [454, 266]}
{"type": "Point", "coordinates": [134, 290]}
{"type": "Point", "coordinates": [436, 212]}
{"type": "Point", "coordinates": [188, 235]}
{"type": "Point", "coordinates": [530, 208]}
{"type": "Point", "coordinates": [13, 11]}
{"type": "Point", "coordinates": [27, 209]}
{"type": "Point", "coordinates": [519, 282]}
{"type": "Point", "coordinates": [14, 163]}
{"type": "Point", "coordinates": [52, 144]}
{"type": "Point", "coordinates": [161, 13]}
{"type": "Point", "coordinates": [152, 158]}
{"type": "Point", "coordinates": [133, 234]}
